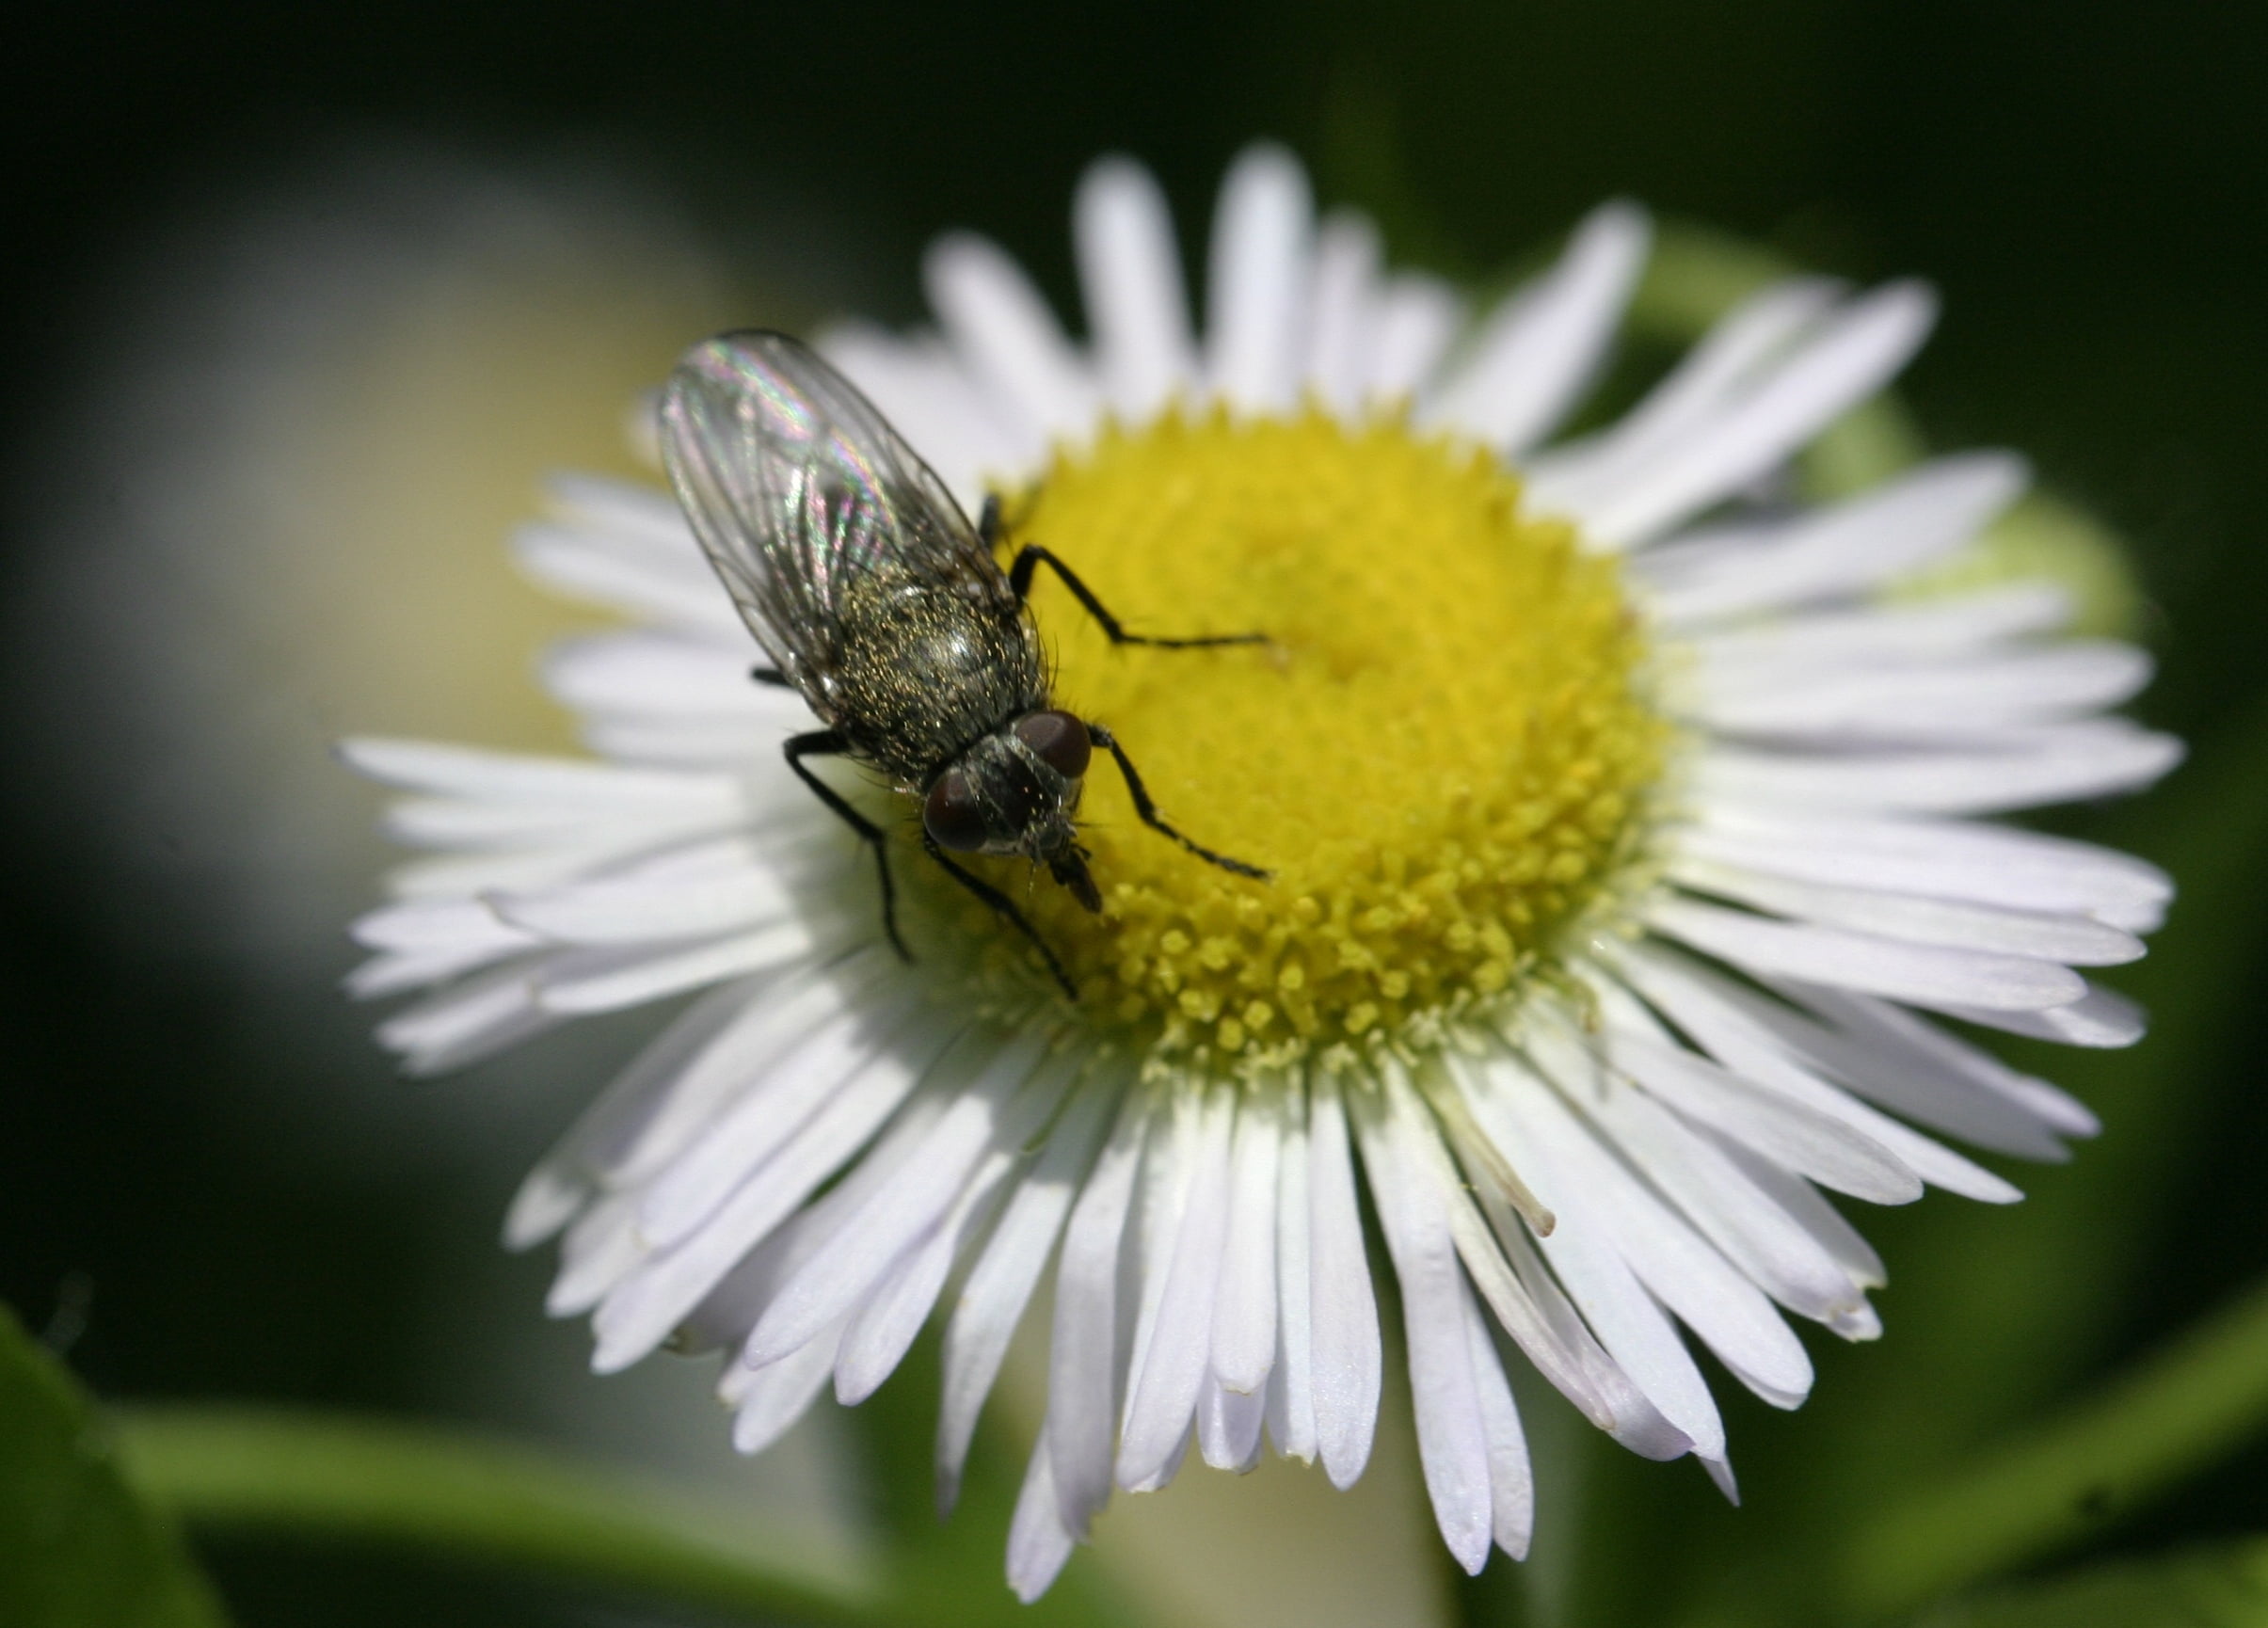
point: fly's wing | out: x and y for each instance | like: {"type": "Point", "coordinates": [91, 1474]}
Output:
{"type": "Point", "coordinates": [798, 489]}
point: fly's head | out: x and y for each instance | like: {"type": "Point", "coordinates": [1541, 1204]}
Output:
{"type": "Point", "coordinates": [1015, 792]}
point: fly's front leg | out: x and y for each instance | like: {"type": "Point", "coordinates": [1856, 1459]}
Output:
{"type": "Point", "coordinates": [1032, 557]}
{"type": "Point", "coordinates": [1005, 905]}
{"type": "Point", "coordinates": [830, 744]}
{"type": "Point", "coordinates": [1148, 810]}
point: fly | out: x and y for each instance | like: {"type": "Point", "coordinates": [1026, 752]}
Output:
{"type": "Point", "coordinates": [880, 604]}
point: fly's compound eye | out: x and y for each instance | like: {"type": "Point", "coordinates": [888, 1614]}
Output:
{"type": "Point", "coordinates": [1059, 739]}
{"type": "Point", "coordinates": [949, 814]}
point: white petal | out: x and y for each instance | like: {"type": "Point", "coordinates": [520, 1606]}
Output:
{"type": "Point", "coordinates": [466, 1022]}
{"type": "Point", "coordinates": [1038, 1541]}
{"type": "Point", "coordinates": [1000, 1285]}
{"type": "Point", "coordinates": [1813, 1145]}
{"type": "Point", "coordinates": [689, 741]}
{"type": "Point", "coordinates": [884, 1328]}
{"type": "Point", "coordinates": [1949, 698]}
{"type": "Point", "coordinates": [2100, 1019]}
{"type": "Point", "coordinates": [1131, 272]}
{"type": "Point", "coordinates": [629, 1103]}
{"type": "Point", "coordinates": [1889, 1056]}
{"type": "Point", "coordinates": [2075, 940]}
{"type": "Point", "coordinates": [1529, 1307]}
{"type": "Point", "coordinates": [1340, 322]}
{"type": "Point", "coordinates": [2052, 764]}
{"type": "Point", "coordinates": [1795, 647]}
{"type": "Point", "coordinates": [842, 1271]}
{"type": "Point", "coordinates": [638, 1314]}
{"type": "Point", "coordinates": [1739, 1029]}
{"type": "Point", "coordinates": [1010, 338]}
{"type": "Point", "coordinates": [636, 906]}
{"type": "Point", "coordinates": [1891, 529]}
{"type": "Point", "coordinates": [677, 592]}
{"type": "Point", "coordinates": [1586, 1255]}
{"type": "Point", "coordinates": [428, 941]}
{"type": "Point", "coordinates": [1291, 1381]}
{"type": "Point", "coordinates": [1680, 1268]}
{"type": "Point", "coordinates": [669, 675]}
{"type": "Point", "coordinates": [1084, 1362]}
{"type": "Point", "coordinates": [1904, 971]}
{"type": "Point", "coordinates": [1170, 1367]}
{"type": "Point", "coordinates": [1452, 1438]}
{"type": "Point", "coordinates": [1847, 359]}
{"type": "Point", "coordinates": [1256, 289]}
{"type": "Point", "coordinates": [1910, 1045]}
{"type": "Point", "coordinates": [1169, 1164]}
{"type": "Point", "coordinates": [893, 1033]}
{"type": "Point", "coordinates": [945, 414]}
{"type": "Point", "coordinates": [1702, 386]}
{"type": "Point", "coordinates": [732, 1308]}
{"type": "Point", "coordinates": [1990, 865]}
{"type": "Point", "coordinates": [1803, 1202]}
{"type": "Point", "coordinates": [1244, 1305]}
{"type": "Point", "coordinates": [450, 924]}
{"type": "Point", "coordinates": [1228, 1425]}
{"type": "Point", "coordinates": [1542, 346]}
{"type": "Point", "coordinates": [775, 1398]}
{"type": "Point", "coordinates": [638, 519]}
{"type": "Point", "coordinates": [547, 1199]}
{"type": "Point", "coordinates": [465, 875]}
{"type": "Point", "coordinates": [607, 980]}
{"type": "Point", "coordinates": [1347, 1353]}
{"type": "Point", "coordinates": [597, 1253]}
{"type": "Point", "coordinates": [1512, 1484]}
{"type": "Point", "coordinates": [673, 1100]}
{"type": "Point", "coordinates": [1564, 1350]}
{"type": "Point", "coordinates": [1416, 319]}
{"type": "Point", "coordinates": [1694, 1172]}
{"type": "Point", "coordinates": [538, 782]}
{"type": "Point", "coordinates": [632, 516]}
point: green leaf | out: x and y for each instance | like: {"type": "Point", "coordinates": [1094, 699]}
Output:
{"type": "Point", "coordinates": [78, 1549]}
{"type": "Point", "coordinates": [2217, 1587]}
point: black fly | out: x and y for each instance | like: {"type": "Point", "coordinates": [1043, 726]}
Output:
{"type": "Point", "coordinates": [879, 603]}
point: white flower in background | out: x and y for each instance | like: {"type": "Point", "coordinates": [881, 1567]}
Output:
{"type": "Point", "coordinates": [1621, 826]}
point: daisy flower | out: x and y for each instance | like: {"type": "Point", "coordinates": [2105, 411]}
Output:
{"type": "Point", "coordinates": [1625, 851]}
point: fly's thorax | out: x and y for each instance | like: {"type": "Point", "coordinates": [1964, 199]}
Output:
{"type": "Point", "coordinates": [920, 672]}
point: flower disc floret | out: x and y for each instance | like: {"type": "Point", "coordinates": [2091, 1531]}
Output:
{"type": "Point", "coordinates": [1442, 755]}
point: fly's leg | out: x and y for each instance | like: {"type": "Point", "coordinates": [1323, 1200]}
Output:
{"type": "Point", "coordinates": [830, 744]}
{"type": "Point", "coordinates": [1005, 905]}
{"type": "Point", "coordinates": [771, 675]}
{"type": "Point", "coordinates": [1148, 810]}
{"type": "Point", "coordinates": [1032, 557]}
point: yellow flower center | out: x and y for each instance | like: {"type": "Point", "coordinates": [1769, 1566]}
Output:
{"type": "Point", "coordinates": [1442, 755]}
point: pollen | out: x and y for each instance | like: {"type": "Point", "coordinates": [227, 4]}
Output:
{"type": "Point", "coordinates": [1443, 755]}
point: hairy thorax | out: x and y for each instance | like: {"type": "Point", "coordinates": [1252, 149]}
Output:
{"type": "Point", "coordinates": [921, 673]}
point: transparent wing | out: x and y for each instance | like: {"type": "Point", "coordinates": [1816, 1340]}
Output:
{"type": "Point", "coordinates": [798, 489]}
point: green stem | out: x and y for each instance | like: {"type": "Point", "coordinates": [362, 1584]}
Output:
{"type": "Point", "coordinates": [306, 1474]}
{"type": "Point", "coordinates": [2185, 1407]}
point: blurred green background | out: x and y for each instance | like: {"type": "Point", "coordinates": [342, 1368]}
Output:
{"type": "Point", "coordinates": [303, 302]}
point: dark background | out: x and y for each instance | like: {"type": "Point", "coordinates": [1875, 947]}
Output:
{"type": "Point", "coordinates": [2086, 184]}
